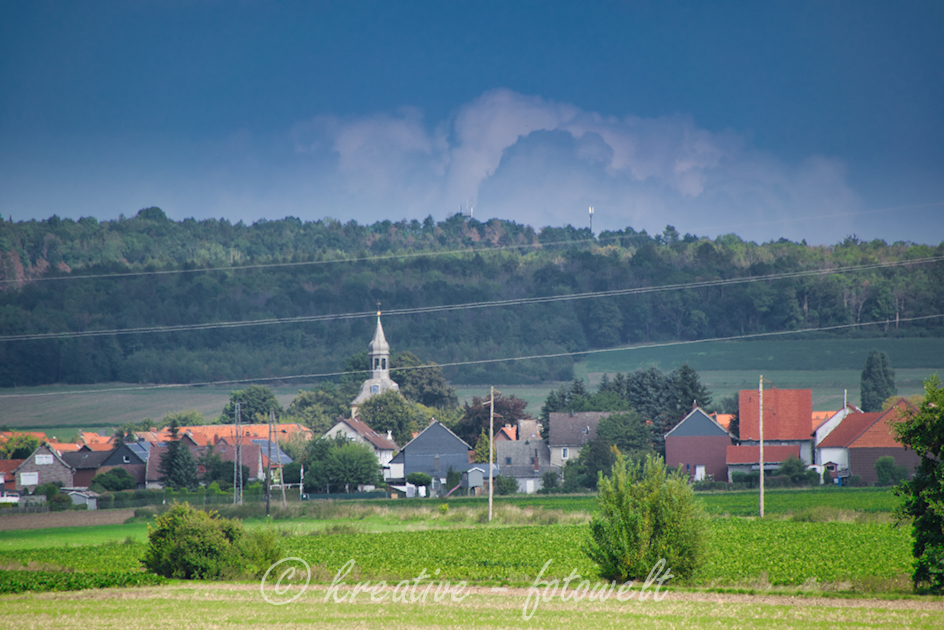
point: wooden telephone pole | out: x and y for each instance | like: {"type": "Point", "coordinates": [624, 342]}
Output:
{"type": "Point", "coordinates": [491, 446]}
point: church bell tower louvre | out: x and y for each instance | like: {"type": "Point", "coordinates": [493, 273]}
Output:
{"type": "Point", "coordinates": [379, 381]}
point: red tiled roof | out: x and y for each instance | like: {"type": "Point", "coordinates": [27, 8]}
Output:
{"type": "Point", "coordinates": [364, 430]}
{"type": "Point", "coordinates": [787, 414]}
{"type": "Point", "coordinates": [7, 466]}
{"type": "Point", "coordinates": [751, 454]}
{"type": "Point", "coordinates": [510, 433]}
{"type": "Point", "coordinates": [880, 435]}
{"type": "Point", "coordinates": [65, 447]}
{"type": "Point", "coordinates": [866, 430]}
{"type": "Point", "coordinates": [819, 417]}
{"type": "Point", "coordinates": [724, 419]}
{"type": "Point", "coordinates": [6, 435]}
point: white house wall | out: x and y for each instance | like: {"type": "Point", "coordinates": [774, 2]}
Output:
{"type": "Point", "coordinates": [837, 455]}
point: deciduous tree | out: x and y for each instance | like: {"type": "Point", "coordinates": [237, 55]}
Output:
{"type": "Point", "coordinates": [923, 495]}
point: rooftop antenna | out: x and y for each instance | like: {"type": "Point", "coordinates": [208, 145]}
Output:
{"type": "Point", "coordinates": [591, 220]}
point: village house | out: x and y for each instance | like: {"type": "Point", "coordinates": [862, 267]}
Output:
{"type": "Point", "coordinates": [698, 445]}
{"type": "Point", "coordinates": [43, 466]}
{"type": "Point", "coordinates": [856, 443]}
{"type": "Point", "coordinates": [354, 429]}
{"type": "Point", "coordinates": [787, 419]}
{"type": "Point", "coordinates": [569, 432]}
{"type": "Point", "coordinates": [434, 451]}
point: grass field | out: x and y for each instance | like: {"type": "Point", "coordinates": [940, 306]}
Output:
{"type": "Point", "coordinates": [242, 606]}
{"type": "Point", "coordinates": [826, 354]}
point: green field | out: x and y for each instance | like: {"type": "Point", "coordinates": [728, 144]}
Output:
{"type": "Point", "coordinates": [827, 366]}
{"type": "Point", "coordinates": [824, 354]}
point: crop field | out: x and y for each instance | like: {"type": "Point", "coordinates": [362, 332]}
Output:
{"type": "Point", "coordinates": [781, 571]}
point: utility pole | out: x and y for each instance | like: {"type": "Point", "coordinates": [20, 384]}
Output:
{"type": "Point", "coordinates": [237, 464]}
{"type": "Point", "coordinates": [491, 446]}
{"type": "Point", "coordinates": [760, 403]}
{"type": "Point", "coordinates": [279, 456]}
{"type": "Point", "coordinates": [268, 472]}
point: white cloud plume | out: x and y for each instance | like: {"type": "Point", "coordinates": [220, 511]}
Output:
{"type": "Point", "coordinates": [539, 161]}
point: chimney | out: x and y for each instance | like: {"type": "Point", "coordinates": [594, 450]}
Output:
{"type": "Point", "coordinates": [389, 435]}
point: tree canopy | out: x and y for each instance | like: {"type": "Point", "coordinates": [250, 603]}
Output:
{"type": "Point", "coordinates": [255, 403]}
{"type": "Point", "coordinates": [922, 431]}
{"type": "Point", "coordinates": [878, 381]}
{"type": "Point", "coordinates": [339, 268]}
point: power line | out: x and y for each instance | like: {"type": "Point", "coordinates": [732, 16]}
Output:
{"type": "Point", "coordinates": [469, 305]}
{"type": "Point", "coordinates": [478, 361]}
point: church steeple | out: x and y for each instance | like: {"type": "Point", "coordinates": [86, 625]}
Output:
{"type": "Point", "coordinates": [379, 351]}
{"type": "Point", "coordinates": [379, 381]}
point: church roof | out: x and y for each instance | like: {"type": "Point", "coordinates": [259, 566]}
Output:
{"type": "Point", "coordinates": [379, 342]}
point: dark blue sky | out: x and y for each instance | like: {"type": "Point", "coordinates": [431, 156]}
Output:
{"type": "Point", "coordinates": [799, 119]}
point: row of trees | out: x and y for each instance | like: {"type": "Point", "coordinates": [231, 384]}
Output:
{"type": "Point", "coordinates": [660, 399]}
{"type": "Point", "coordinates": [554, 262]}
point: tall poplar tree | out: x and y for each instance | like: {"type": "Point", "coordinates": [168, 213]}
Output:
{"type": "Point", "coordinates": [878, 381]}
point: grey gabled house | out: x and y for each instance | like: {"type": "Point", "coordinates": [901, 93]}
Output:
{"type": "Point", "coordinates": [433, 451]}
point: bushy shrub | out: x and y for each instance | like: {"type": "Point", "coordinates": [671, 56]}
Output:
{"type": "Point", "coordinates": [888, 473]}
{"type": "Point", "coordinates": [505, 485]}
{"type": "Point", "coordinates": [646, 513]}
{"type": "Point", "coordinates": [59, 502]}
{"type": "Point", "coordinates": [186, 543]}
{"type": "Point", "coordinates": [114, 479]}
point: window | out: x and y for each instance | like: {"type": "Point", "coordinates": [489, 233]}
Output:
{"type": "Point", "coordinates": [127, 459]}
{"type": "Point", "coordinates": [508, 461]}
{"type": "Point", "coordinates": [43, 459]}
{"type": "Point", "coordinates": [383, 364]}
{"type": "Point", "coordinates": [29, 478]}
{"type": "Point", "coordinates": [565, 453]}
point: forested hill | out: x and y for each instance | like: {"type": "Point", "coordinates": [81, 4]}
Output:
{"type": "Point", "coordinates": [290, 269]}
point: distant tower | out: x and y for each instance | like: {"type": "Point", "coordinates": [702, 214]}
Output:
{"type": "Point", "coordinates": [379, 381]}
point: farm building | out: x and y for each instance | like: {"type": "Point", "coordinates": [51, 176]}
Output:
{"type": "Point", "coordinates": [787, 419]}
{"type": "Point", "coordinates": [698, 444]}
{"type": "Point", "coordinates": [860, 439]}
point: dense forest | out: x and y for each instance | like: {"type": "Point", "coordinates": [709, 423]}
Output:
{"type": "Point", "coordinates": [60, 275]}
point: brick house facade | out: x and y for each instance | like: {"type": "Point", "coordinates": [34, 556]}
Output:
{"type": "Point", "coordinates": [43, 466]}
